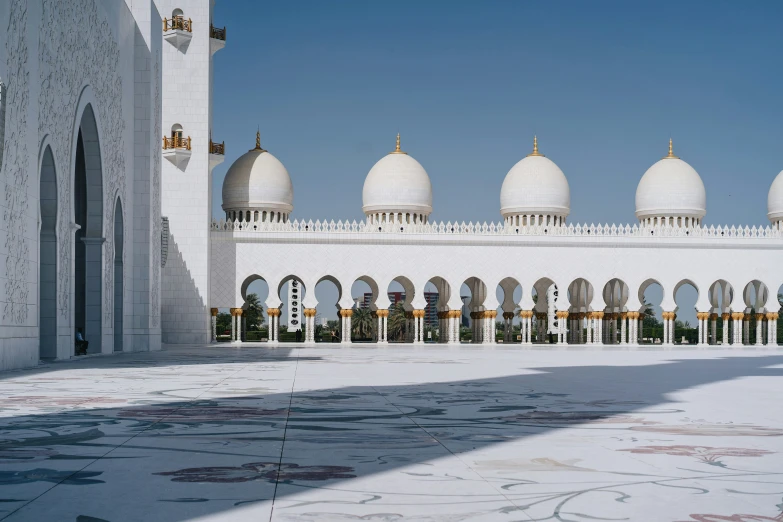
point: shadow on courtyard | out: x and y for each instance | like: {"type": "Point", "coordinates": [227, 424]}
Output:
{"type": "Point", "coordinates": [209, 455]}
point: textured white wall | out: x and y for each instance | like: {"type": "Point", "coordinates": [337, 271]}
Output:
{"type": "Point", "coordinates": [64, 55]}
{"type": "Point", "coordinates": [383, 257]}
{"type": "Point", "coordinates": [186, 193]}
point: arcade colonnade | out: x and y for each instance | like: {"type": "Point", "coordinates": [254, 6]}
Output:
{"type": "Point", "coordinates": [745, 321]}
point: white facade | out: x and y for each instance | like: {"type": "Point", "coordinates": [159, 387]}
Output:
{"type": "Point", "coordinates": [591, 278]}
{"type": "Point", "coordinates": [186, 195]}
{"type": "Point", "coordinates": [80, 231]}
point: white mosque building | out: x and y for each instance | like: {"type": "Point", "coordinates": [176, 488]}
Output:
{"type": "Point", "coordinates": [106, 158]}
{"type": "Point", "coordinates": [594, 277]}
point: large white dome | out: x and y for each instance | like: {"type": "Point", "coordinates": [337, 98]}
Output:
{"type": "Point", "coordinates": [775, 199]}
{"type": "Point", "coordinates": [671, 188]}
{"type": "Point", "coordinates": [397, 183]}
{"type": "Point", "coordinates": [258, 181]}
{"type": "Point", "coordinates": [535, 186]}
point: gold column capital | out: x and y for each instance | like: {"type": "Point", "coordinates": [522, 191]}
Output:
{"type": "Point", "coordinates": [309, 312]}
{"type": "Point", "coordinates": [382, 313]}
{"type": "Point", "coordinates": [213, 311]}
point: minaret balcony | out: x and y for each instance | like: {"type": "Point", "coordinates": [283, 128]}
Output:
{"type": "Point", "coordinates": [217, 152]}
{"type": "Point", "coordinates": [217, 38]}
{"type": "Point", "coordinates": [178, 31]}
{"type": "Point", "coordinates": [177, 150]}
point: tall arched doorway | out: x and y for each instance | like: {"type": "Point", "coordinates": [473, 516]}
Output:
{"type": "Point", "coordinates": [118, 275]}
{"type": "Point", "coordinates": [88, 248]}
{"type": "Point", "coordinates": [47, 258]}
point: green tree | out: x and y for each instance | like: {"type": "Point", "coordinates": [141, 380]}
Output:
{"type": "Point", "coordinates": [254, 312]}
{"type": "Point", "coordinates": [397, 322]}
{"type": "Point", "coordinates": [362, 323]}
{"type": "Point", "coordinates": [223, 322]}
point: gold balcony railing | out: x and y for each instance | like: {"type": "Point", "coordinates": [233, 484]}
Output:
{"type": "Point", "coordinates": [176, 143]}
{"type": "Point", "coordinates": [217, 33]}
{"type": "Point", "coordinates": [217, 148]}
{"type": "Point", "coordinates": [178, 22]}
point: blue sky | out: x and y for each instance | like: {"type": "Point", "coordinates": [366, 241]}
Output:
{"type": "Point", "coordinates": [603, 84]}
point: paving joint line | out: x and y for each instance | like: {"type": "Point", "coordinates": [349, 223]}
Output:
{"type": "Point", "coordinates": [285, 431]}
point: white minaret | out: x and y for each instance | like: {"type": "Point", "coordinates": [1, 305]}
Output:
{"type": "Point", "coordinates": [190, 41]}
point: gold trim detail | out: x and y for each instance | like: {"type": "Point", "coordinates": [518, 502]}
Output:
{"type": "Point", "coordinates": [258, 142]}
{"type": "Point", "coordinates": [397, 149]}
{"type": "Point", "coordinates": [213, 311]}
{"type": "Point", "coordinates": [535, 148]}
{"type": "Point", "coordinates": [671, 151]}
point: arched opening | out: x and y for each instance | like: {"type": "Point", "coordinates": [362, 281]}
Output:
{"type": "Point", "coordinates": [754, 329]}
{"type": "Point", "coordinates": [580, 296]}
{"type": "Point", "coordinates": [328, 292]}
{"type": "Point", "coordinates": [177, 13]}
{"type": "Point", "coordinates": [254, 324]}
{"type": "Point", "coordinates": [721, 295]}
{"type": "Point", "coordinates": [651, 297]}
{"type": "Point", "coordinates": [47, 256]}
{"type": "Point", "coordinates": [364, 322]}
{"type": "Point", "coordinates": [473, 292]}
{"type": "Point", "coordinates": [686, 331]}
{"type": "Point", "coordinates": [438, 327]}
{"type": "Point", "coordinates": [176, 132]}
{"type": "Point", "coordinates": [88, 248]}
{"type": "Point", "coordinates": [118, 276]}
{"type": "Point", "coordinates": [615, 295]}
{"type": "Point", "coordinates": [291, 292]}
{"type": "Point", "coordinates": [545, 323]}
{"type": "Point", "coordinates": [400, 324]}
{"type": "Point", "coordinates": [430, 322]}
{"type": "Point", "coordinates": [509, 293]}
{"type": "Point", "coordinates": [780, 307]}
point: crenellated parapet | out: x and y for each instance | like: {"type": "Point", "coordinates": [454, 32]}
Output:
{"type": "Point", "coordinates": [501, 229]}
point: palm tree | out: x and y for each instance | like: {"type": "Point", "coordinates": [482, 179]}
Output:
{"type": "Point", "coordinates": [254, 313]}
{"type": "Point", "coordinates": [362, 323]}
{"type": "Point", "coordinates": [395, 328]}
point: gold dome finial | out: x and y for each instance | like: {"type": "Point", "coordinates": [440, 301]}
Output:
{"type": "Point", "coordinates": [258, 141]}
{"type": "Point", "coordinates": [671, 151]}
{"type": "Point", "coordinates": [535, 147]}
{"type": "Point", "coordinates": [397, 149]}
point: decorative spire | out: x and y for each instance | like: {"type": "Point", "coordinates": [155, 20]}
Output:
{"type": "Point", "coordinates": [535, 147]}
{"type": "Point", "coordinates": [397, 149]}
{"type": "Point", "coordinates": [671, 151]}
{"type": "Point", "coordinates": [258, 141]}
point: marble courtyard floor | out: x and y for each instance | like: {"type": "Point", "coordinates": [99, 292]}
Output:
{"type": "Point", "coordinates": [395, 433]}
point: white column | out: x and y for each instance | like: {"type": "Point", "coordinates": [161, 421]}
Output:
{"type": "Point", "coordinates": [770, 336]}
{"type": "Point", "coordinates": [385, 329]}
{"type": "Point", "coordinates": [665, 339]}
{"type": "Point", "coordinates": [759, 329]}
{"type": "Point", "coordinates": [700, 321]}
{"type": "Point", "coordinates": [214, 312]}
{"type": "Point", "coordinates": [623, 327]}
{"type": "Point", "coordinates": [725, 332]}
{"type": "Point", "coordinates": [489, 337]}
{"type": "Point", "coordinates": [233, 325]}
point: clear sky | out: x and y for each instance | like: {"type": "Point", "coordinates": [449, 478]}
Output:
{"type": "Point", "coordinates": [603, 84]}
